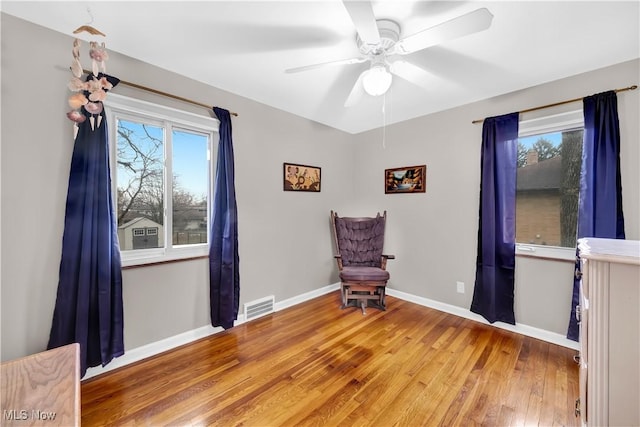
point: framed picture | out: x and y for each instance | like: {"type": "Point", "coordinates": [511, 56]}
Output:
{"type": "Point", "coordinates": [300, 177]}
{"type": "Point", "coordinates": [410, 179]}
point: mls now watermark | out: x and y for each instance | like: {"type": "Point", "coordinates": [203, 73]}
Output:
{"type": "Point", "coordinates": [25, 415]}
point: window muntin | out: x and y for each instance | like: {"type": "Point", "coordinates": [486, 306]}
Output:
{"type": "Point", "coordinates": [547, 188]}
{"type": "Point", "coordinates": [162, 178]}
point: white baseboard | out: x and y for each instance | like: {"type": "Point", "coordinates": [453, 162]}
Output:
{"type": "Point", "coordinates": [290, 302]}
{"type": "Point", "coordinates": [519, 328]}
{"type": "Point", "coordinates": [140, 353]}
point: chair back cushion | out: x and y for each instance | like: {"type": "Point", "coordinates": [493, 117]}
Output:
{"type": "Point", "coordinates": [360, 240]}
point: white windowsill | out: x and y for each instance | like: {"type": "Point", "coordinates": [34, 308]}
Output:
{"type": "Point", "coordinates": [546, 252]}
{"type": "Point", "coordinates": [154, 256]}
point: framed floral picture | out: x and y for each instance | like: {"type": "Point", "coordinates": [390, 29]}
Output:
{"type": "Point", "coordinates": [409, 179]}
{"type": "Point", "coordinates": [300, 177]}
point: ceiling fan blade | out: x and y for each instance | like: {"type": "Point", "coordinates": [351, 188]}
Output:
{"type": "Point", "coordinates": [356, 92]}
{"type": "Point", "coordinates": [363, 19]}
{"type": "Point", "coordinates": [323, 64]}
{"type": "Point", "coordinates": [411, 73]}
{"type": "Point", "coordinates": [463, 25]}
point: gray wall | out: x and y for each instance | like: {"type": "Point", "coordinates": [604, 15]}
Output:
{"type": "Point", "coordinates": [434, 235]}
{"type": "Point", "coordinates": [285, 241]}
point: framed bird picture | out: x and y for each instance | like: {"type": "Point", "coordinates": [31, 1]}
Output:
{"type": "Point", "coordinates": [301, 177]}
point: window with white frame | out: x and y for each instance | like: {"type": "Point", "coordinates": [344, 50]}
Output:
{"type": "Point", "coordinates": [548, 183]}
{"type": "Point", "coordinates": [162, 178]}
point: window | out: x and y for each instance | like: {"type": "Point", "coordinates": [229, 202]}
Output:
{"type": "Point", "coordinates": [162, 177]}
{"type": "Point", "coordinates": [548, 183]}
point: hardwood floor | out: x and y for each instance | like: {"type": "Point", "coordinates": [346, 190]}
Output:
{"type": "Point", "coordinates": [314, 364]}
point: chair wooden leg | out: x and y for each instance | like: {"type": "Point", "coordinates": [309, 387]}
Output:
{"type": "Point", "coordinates": [343, 293]}
{"type": "Point", "coordinates": [360, 296]}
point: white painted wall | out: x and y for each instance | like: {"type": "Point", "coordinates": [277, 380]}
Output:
{"type": "Point", "coordinates": [285, 241]}
{"type": "Point", "coordinates": [434, 235]}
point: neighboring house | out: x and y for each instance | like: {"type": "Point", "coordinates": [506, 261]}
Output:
{"type": "Point", "coordinates": [140, 233]}
{"type": "Point", "coordinates": [538, 201]}
{"type": "Point", "coordinates": [190, 225]}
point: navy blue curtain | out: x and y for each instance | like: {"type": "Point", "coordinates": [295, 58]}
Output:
{"type": "Point", "coordinates": [600, 203]}
{"type": "Point", "coordinates": [495, 263]}
{"type": "Point", "coordinates": [224, 264]}
{"type": "Point", "coordinates": [88, 306]}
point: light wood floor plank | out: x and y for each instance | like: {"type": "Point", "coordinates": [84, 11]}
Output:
{"type": "Point", "coordinates": [317, 365]}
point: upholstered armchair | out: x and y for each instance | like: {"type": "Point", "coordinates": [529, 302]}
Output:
{"type": "Point", "coordinates": [362, 265]}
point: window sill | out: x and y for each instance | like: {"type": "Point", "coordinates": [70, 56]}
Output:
{"type": "Point", "coordinates": [553, 253]}
{"type": "Point", "coordinates": [156, 257]}
{"type": "Point", "coordinates": [168, 261]}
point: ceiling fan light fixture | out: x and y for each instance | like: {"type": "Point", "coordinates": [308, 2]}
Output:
{"type": "Point", "coordinates": [377, 80]}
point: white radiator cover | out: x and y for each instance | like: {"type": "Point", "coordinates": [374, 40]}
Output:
{"type": "Point", "coordinates": [259, 308]}
{"type": "Point", "coordinates": [610, 332]}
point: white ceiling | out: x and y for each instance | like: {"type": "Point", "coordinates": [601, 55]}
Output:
{"type": "Point", "coordinates": [244, 47]}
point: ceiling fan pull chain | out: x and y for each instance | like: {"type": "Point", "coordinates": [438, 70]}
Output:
{"type": "Point", "coordinates": [384, 121]}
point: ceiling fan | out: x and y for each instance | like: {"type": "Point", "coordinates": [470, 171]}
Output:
{"type": "Point", "coordinates": [379, 42]}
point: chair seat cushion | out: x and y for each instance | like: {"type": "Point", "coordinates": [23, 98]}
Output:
{"type": "Point", "coordinates": [360, 274]}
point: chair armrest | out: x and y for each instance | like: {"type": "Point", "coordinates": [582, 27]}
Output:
{"type": "Point", "coordinates": [383, 263]}
{"type": "Point", "coordinates": [339, 260]}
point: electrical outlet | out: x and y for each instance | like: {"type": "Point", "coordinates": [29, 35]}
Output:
{"type": "Point", "coordinates": [460, 287]}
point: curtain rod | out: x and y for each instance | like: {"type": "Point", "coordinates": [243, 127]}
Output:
{"type": "Point", "coordinates": [634, 87]}
{"type": "Point", "coordinates": [169, 95]}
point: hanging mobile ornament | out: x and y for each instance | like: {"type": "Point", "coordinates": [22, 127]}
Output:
{"type": "Point", "coordinates": [92, 92]}
{"type": "Point", "coordinates": [94, 63]}
{"type": "Point", "coordinates": [94, 108]}
{"type": "Point", "coordinates": [76, 67]}
{"type": "Point", "coordinates": [105, 56]}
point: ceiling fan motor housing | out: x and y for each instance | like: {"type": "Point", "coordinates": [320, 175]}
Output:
{"type": "Point", "coordinates": [389, 34]}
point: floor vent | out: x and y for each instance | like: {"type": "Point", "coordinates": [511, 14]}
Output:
{"type": "Point", "coordinates": [258, 308]}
